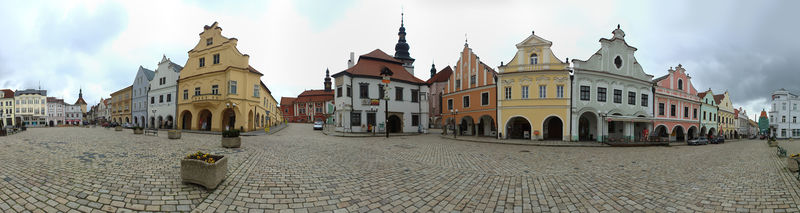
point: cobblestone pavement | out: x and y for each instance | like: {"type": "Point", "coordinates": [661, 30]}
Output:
{"type": "Point", "coordinates": [301, 170]}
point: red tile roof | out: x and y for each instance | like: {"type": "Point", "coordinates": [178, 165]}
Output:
{"type": "Point", "coordinates": [286, 101]}
{"type": "Point", "coordinates": [371, 64]}
{"type": "Point", "coordinates": [80, 101]}
{"type": "Point", "coordinates": [7, 93]}
{"type": "Point", "coordinates": [702, 94]}
{"type": "Point", "coordinates": [314, 96]}
{"type": "Point", "coordinates": [441, 76]}
{"type": "Point", "coordinates": [718, 98]}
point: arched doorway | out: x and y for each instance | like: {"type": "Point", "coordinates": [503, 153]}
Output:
{"type": "Point", "coordinates": [467, 126]}
{"type": "Point", "coordinates": [127, 120]}
{"type": "Point", "coordinates": [152, 121]}
{"type": "Point", "coordinates": [142, 121]}
{"type": "Point", "coordinates": [518, 128]}
{"type": "Point", "coordinates": [204, 121]}
{"type": "Point", "coordinates": [678, 132]}
{"type": "Point", "coordinates": [228, 119]}
{"type": "Point", "coordinates": [587, 127]}
{"type": "Point", "coordinates": [169, 122]}
{"type": "Point", "coordinates": [186, 120]}
{"type": "Point", "coordinates": [136, 121]}
{"type": "Point", "coordinates": [703, 132]}
{"type": "Point", "coordinates": [395, 125]}
{"type": "Point", "coordinates": [711, 132]}
{"type": "Point", "coordinates": [160, 123]}
{"type": "Point", "coordinates": [250, 119]}
{"type": "Point", "coordinates": [735, 134]}
{"type": "Point", "coordinates": [486, 126]}
{"type": "Point", "coordinates": [51, 124]}
{"type": "Point", "coordinates": [553, 128]}
{"type": "Point", "coordinates": [661, 133]}
{"type": "Point", "coordinates": [692, 133]}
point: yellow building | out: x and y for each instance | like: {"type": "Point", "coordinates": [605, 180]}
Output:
{"type": "Point", "coordinates": [121, 105]}
{"type": "Point", "coordinates": [726, 116]}
{"type": "Point", "coordinates": [533, 93]}
{"type": "Point", "coordinates": [218, 89]}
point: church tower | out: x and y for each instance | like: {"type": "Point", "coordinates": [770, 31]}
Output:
{"type": "Point", "coordinates": [327, 80]}
{"type": "Point", "coordinates": [401, 49]}
{"type": "Point", "coordinates": [80, 101]}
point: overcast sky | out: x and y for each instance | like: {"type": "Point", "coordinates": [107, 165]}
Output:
{"type": "Point", "coordinates": [745, 47]}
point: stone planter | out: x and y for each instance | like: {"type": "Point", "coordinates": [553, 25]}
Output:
{"type": "Point", "coordinates": [174, 134]}
{"type": "Point", "coordinates": [772, 143]}
{"type": "Point", "coordinates": [791, 164]}
{"type": "Point", "coordinates": [234, 142]}
{"type": "Point", "coordinates": [138, 131]}
{"type": "Point", "coordinates": [118, 128]}
{"type": "Point", "coordinates": [203, 173]}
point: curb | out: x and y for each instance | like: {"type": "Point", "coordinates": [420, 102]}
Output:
{"type": "Point", "coordinates": [526, 144]}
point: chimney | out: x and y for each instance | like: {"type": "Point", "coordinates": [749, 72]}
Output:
{"type": "Point", "coordinates": [351, 62]}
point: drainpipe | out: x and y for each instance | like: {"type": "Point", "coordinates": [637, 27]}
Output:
{"type": "Point", "coordinates": [419, 106]}
{"type": "Point", "coordinates": [571, 80]}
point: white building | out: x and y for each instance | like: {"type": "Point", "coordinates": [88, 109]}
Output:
{"type": "Point", "coordinates": [139, 98]}
{"type": "Point", "coordinates": [56, 108]}
{"type": "Point", "coordinates": [783, 115]}
{"type": "Point", "coordinates": [73, 115]}
{"type": "Point", "coordinates": [6, 108]}
{"type": "Point", "coordinates": [31, 107]}
{"type": "Point", "coordinates": [163, 91]}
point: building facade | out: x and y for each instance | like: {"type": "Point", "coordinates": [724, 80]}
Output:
{"type": "Point", "coordinates": [470, 97]}
{"type": "Point", "coordinates": [6, 108]}
{"type": "Point", "coordinates": [139, 98]}
{"type": "Point", "coordinates": [708, 108]}
{"type": "Point", "coordinates": [763, 124]}
{"type": "Point", "coordinates": [30, 107]}
{"type": "Point", "coordinates": [162, 95]}
{"type": "Point", "coordinates": [783, 115]}
{"type": "Point", "coordinates": [612, 94]}
{"type": "Point", "coordinates": [80, 102]}
{"type": "Point", "coordinates": [73, 115]}
{"type": "Point", "coordinates": [677, 106]}
{"type": "Point", "coordinates": [743, 128]}
{"type": "Point", "coordinates": [56, 108]}
{"type": "Point", "coordinates": [311, 105]}
{"type": "Point", "coordinates": [219, 90]}
{"type": "Point", "coordinates": [437, 83]}
{"type": "Point", "coordinates": [121, 106]}
{"type": "Point", "coordinates": [287, 108]}
{"type": "Point", "coordinates": [726, 116]}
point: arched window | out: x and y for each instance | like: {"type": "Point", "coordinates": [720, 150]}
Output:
{"type": "Point", "coordinates": [534, 58]}
{"type": "Point", "coordinates": [680, 84]}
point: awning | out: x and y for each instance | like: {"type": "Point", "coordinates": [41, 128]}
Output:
{"type": "Point", "coordinates": [629, 119]}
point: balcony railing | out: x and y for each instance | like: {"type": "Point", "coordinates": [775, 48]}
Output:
{"type": "Point", "coordinates": [527, 67]}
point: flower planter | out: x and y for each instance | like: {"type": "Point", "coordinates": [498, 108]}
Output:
{"type": "Point", "coordinates": [772, 143]}
{"type": "Point", "coordinates": [208, 175]}
{"type": "Point", "coordinates": [118, 128]}
{"type": "Point", "coordinates": [233, 142]}
{"type": "Point", "coordinates": [791, 164]}
{"type": "Point", "coordinates": [138, 131]}
{"type": "Point", "coordinates": [174, 134]}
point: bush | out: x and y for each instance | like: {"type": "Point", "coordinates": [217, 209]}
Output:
{"type": "Point", "coordinates": [203, 157]}
{"type": "Point", "coordinates": [230, 133]}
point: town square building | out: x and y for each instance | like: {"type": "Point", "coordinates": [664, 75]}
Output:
{"type": "Point", "coordinates": [287, 108]}
{"type": "Point", "coordinates": [763, 124]}
{"type": "Point", "coordinates": [612, 99]}
{"type": "Point", "coordinates": [311, 105]}
{"type": "Point", "coordinates": [725, 113]}
{"type": "Point", "coordinates": [708, 108]}
{"type": "Point", "coordinates": [121, 106]}
{"type": "Point", "coordinates": [139, 98]}
{"type": "Point", "coordinates": [30, 107]}
{"type": "Point", "coordinates": [783, 115]}
{"type": "Point", "coordinates": [219, 90]}
{"type": "Point", "coordinates": [6, 108]}
{"type": "Point", "coordinates": [437, 83]}
{"type": "Point", "coordinates": [677, 106]}
{"type": "Point", "coordinates": [743, 127]}
{"type": "Point", "coordinates": [56, 108]}
{"type": "Point", "coordinates": [73, 115]}
{"type": "Point", "coordinates": [162, 95]}
{"type": "Point", "coordinates": [470, 97]}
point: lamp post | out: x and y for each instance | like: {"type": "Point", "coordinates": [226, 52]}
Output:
{"type": "Point", "coordinates": [455, 127]}
{"type": "Point", "coordinates": [154, 114]}
{"type": "Point", "coordinates": [387, 76]}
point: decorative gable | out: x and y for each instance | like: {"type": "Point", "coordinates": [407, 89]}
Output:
{"type": "Point", "coordinates": [615, 56]}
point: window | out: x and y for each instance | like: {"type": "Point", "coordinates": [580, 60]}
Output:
{"type": "Point", "coordinates": [601, 94]}
{"type": "Point", "coordinates": [560, 91]}
{"type": "Point", "coordinates": [783, 119]}
{"type": "Point", "coordinates": [449, 104]}
{"type": "Point", "coordinates": [542, 91]}
{"type": "Point", "coordinates": [660, 108]}
{"type": "Point", "coordinates": [381, 94]}
{"type": "Point", "coordinates": [202, 62]}
{"type": "Point", "coordinates": [794, 119]}
{"type": "Point", "coordinates": [694, 113]}
{"type": "Point", "coordinates": [685, 112]}
{"type": "Point", "coordinates": [524, 92]}
{"type": "Point", "coordinates": [185, 94]}
{"type": "Point", "coordinates": [414, 120]}
{"type": "Point", "coordinates": [398, 93]}
{"type": "Point", "coordinates": [338, 91]}
{"type": "Point", "coordinates": [783, 132]}
{"type": "Point", "coordinates": [169, 97]}
{"type": "Point", "coordinates": [458, 83]}
{"type": "Point", "coordinates": [484, 99]}
{"type": "Point", "coordinates": [209, 41]}
{"type": "Point", "coordinates": [232, 90]}
{"type": "Point", "coordinates": [216, 58]}
{"type": "Point", "coordinates": [534, 58]}
{"type": "Point", "coordinates": [214, 89]}
{"type": "Point", "coordinates": [585, 93]}
{"type": "Point", "coordinates": [632, 98]}
{"type": "Point", "coordinates": [680, 84]}
{"type": "Point", "coordinates": [644, 100]}
{"type": "Point", "coordinates": [152, 100]}
{"type": "Point", "coordinates": [363, 90]}
{"type": "Point", "coordinates": [508, 93]}
{"type": "Point", "coordinates": [473, 80]}
{"type": "Point", "coordinates": [355, 118]}
{"type": "Point", "coordinates": [414, 95]}
{"type": "Point", "coordinates": [256, 89]}
{"type": "Point", "coordinates": [617, 96]}
{"type": "Point", "coordinates": [618, 62]}
{"type": "Point", "coordinates": [349, 91]}
{"type": "Point", "coordinates": [161, 99]}
{"type": "Point", "coordinates": [197, 91]}
{"type": "Point", "coordinates": [465, 101]}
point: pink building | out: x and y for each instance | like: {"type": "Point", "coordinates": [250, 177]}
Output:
{"type": "Point", "coordinates": [676, 107]}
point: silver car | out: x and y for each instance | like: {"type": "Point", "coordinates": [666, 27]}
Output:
{"type": "Point", "coordinates": [318, 125]}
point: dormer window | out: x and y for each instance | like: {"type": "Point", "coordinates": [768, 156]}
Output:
{"type": "Point", "coordinates": [209, 41]}
{"type": "Point", "coordinates": [680, 84]}
{"type": "Point", "coordinates": [618, 62]}
{"type": "Point", "coordinates": [534, 58]}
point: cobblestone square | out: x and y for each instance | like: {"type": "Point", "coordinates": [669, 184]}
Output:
{"type": "Point", "coordinates": [301, 170]}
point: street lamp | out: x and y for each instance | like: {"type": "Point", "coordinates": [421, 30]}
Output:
{"type": "Point", "coordinates": [387, 76]}
{"type": "Point", "coordinates": [154, 114]}
{"type": "Point", "coordinates": [455, 127]}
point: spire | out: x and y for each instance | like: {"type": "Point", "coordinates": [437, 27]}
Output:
{"type": "Point", "coordinates": [401, 48]}
{"type": "Point", "coordinates": [327, 80]}
{"type": "Point", "coordinates": [433, 69]}
{"type": "Point", "coordinates": [618, 33]}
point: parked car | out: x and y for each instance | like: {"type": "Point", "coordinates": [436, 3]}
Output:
{"type": "Point", "coordinates": [318, 125]}
{"type": "Point", "coordinates": [718, 140]}
{"type": "Point", "coordinates": [698, 141]}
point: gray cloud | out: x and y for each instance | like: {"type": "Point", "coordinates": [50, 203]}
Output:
{"type": "Point", "coordinates": [82, 30]}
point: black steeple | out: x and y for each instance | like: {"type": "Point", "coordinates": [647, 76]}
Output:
{"type": "Point", "coordinates": [401, 48]}
{"type": "Point", "coordinates": [433, 70]}
{"type": "Point", "coordinates": [327, 80]}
